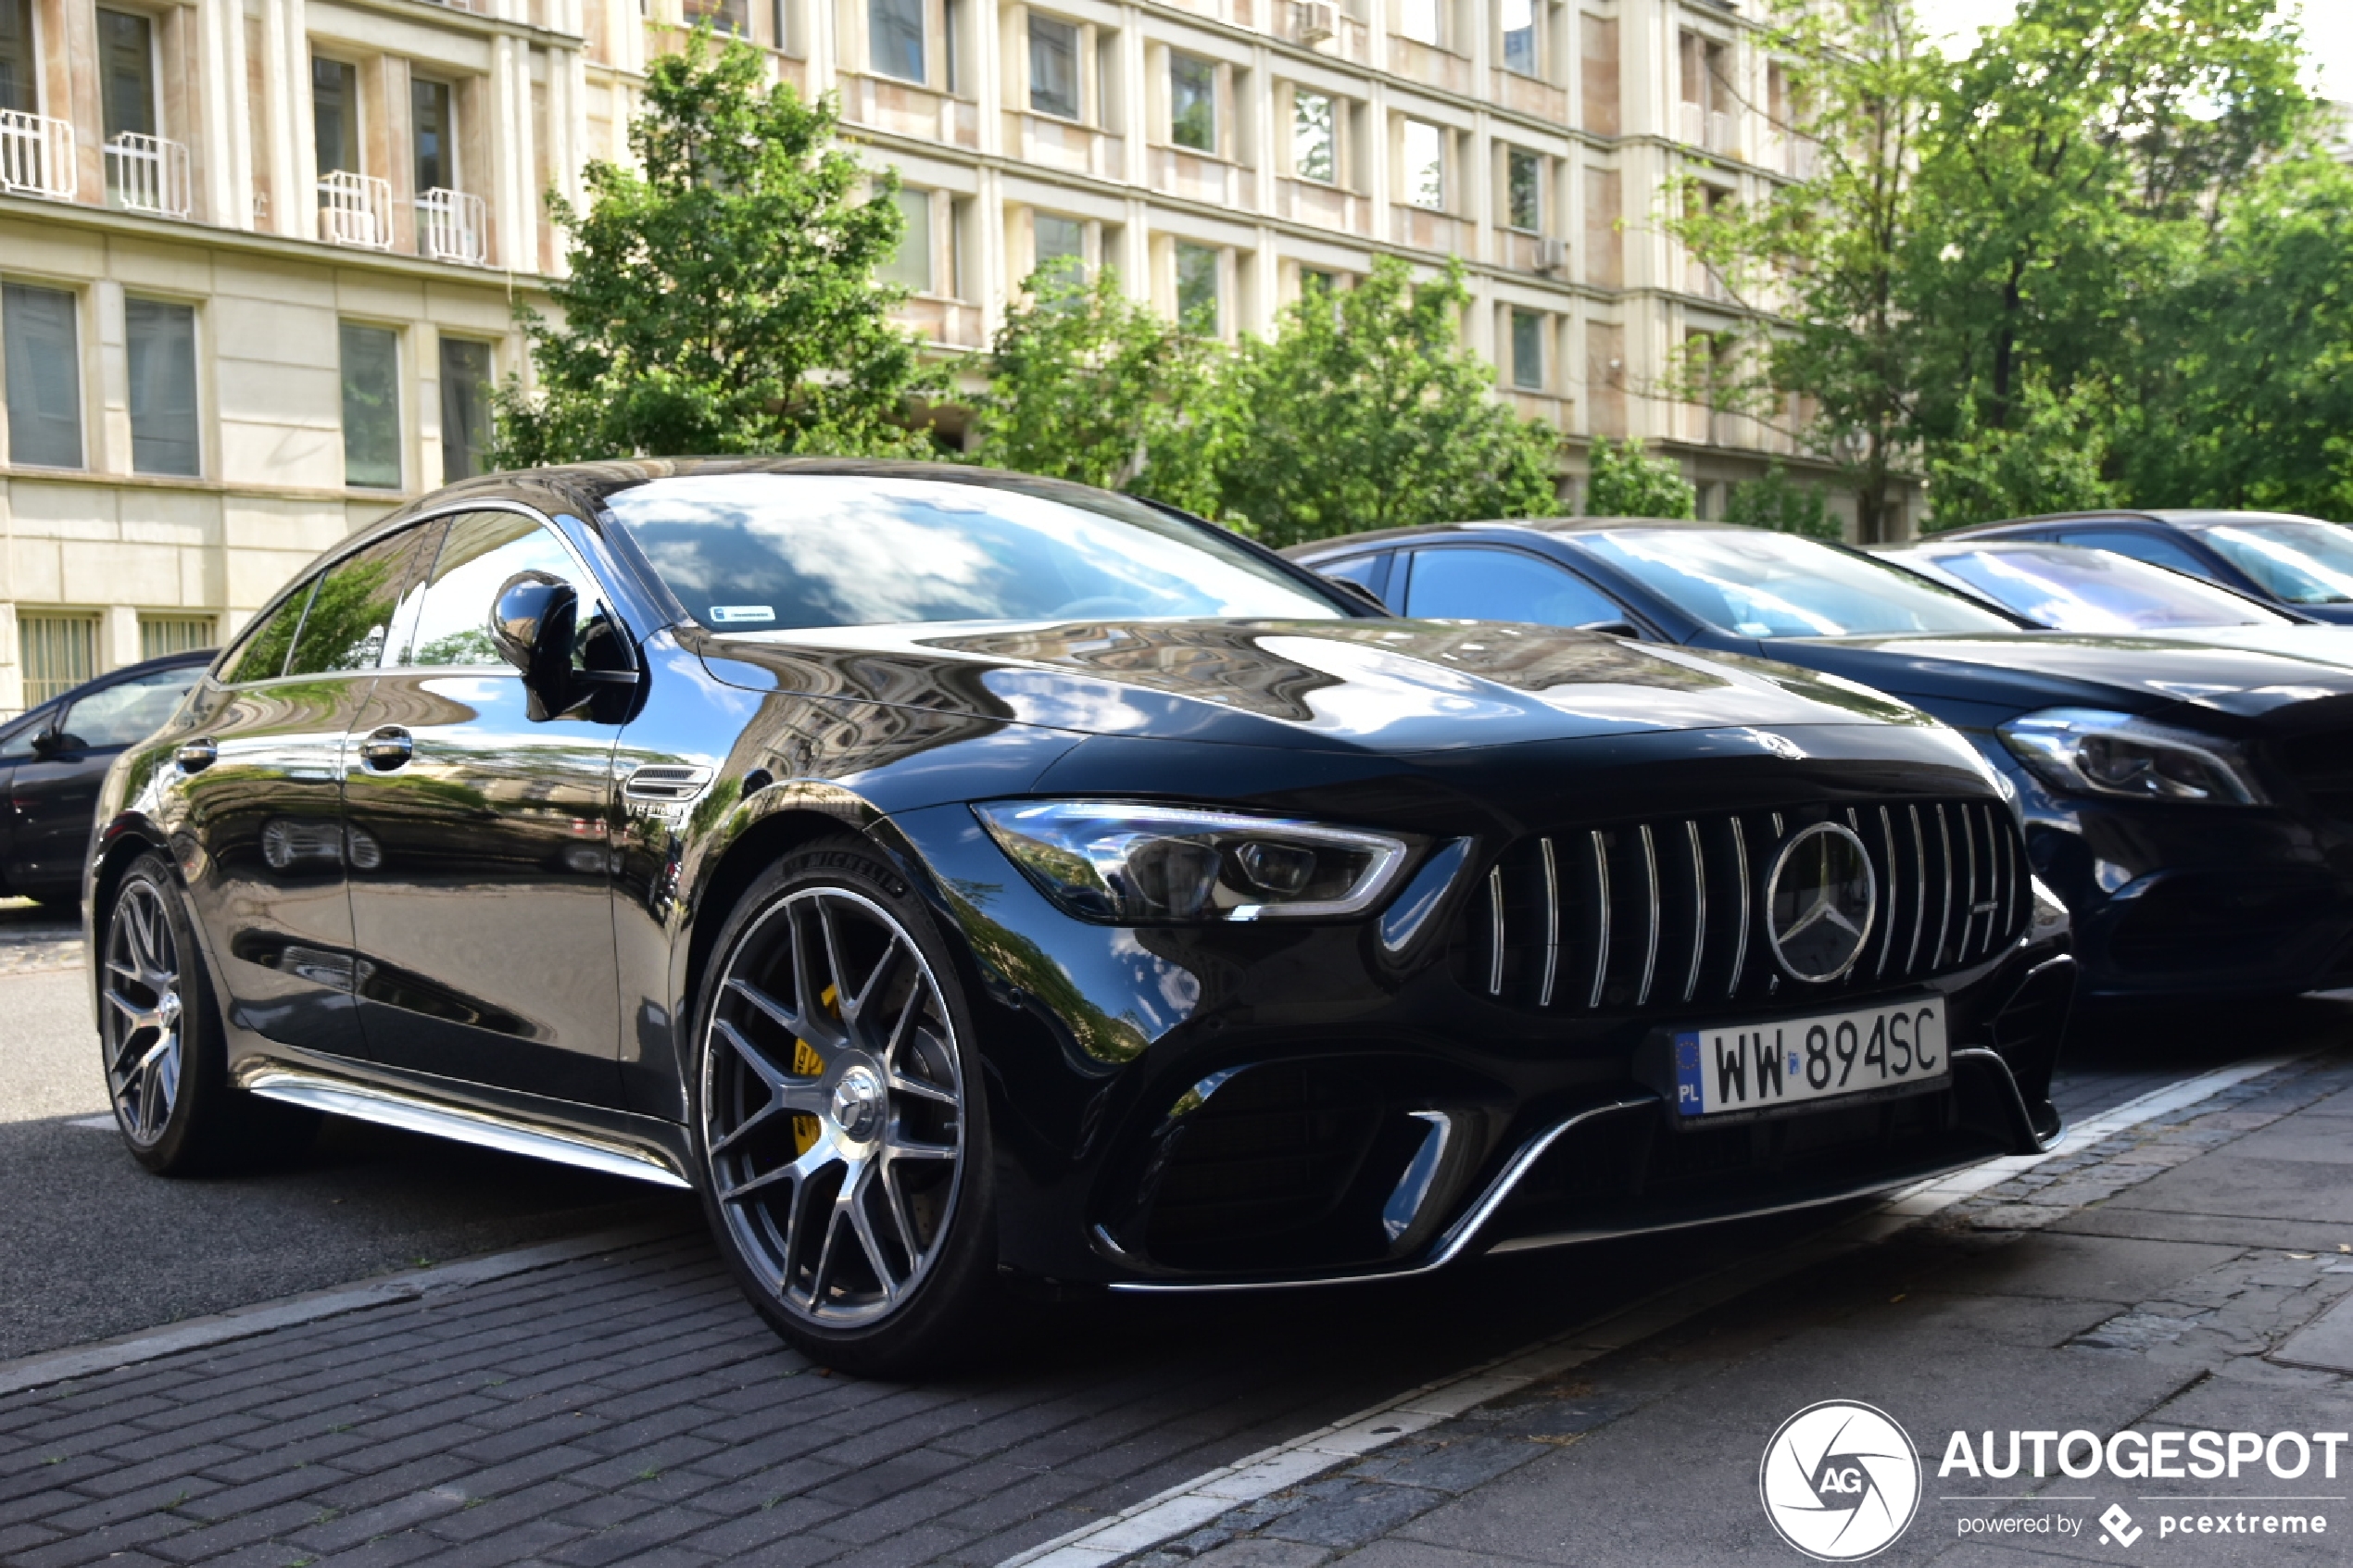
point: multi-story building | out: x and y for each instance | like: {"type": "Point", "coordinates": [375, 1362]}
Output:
{"type": "Point", "coordinates": [258, 257]}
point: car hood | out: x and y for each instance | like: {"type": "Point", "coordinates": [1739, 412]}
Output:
{"type": "Point", "coordinates": [1389, 685]}
{"type": "Point", "coordinates": [1989, 678]}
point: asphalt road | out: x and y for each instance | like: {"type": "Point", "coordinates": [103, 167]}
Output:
{"type": "Point", "coordinates": [93, 1246]}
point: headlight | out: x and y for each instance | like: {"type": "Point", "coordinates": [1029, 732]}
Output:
{"type": "Point", "coordinates": [1132, 864]}
{"type": "Point", "coordinates": [2086, 751]}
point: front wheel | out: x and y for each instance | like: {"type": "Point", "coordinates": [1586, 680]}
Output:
{"type": "Point", "coordinates": [840, 1122]}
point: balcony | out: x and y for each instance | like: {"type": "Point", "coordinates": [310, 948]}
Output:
{"type": "Point", "coordinates": [1797, 157]}
{"type": "Point", "coordinates": [1327, 207]}
{"type": "Point", "coordinates": [147, 174]}
{"type": "Point", "coordinates": [452, 226]}
{"type": "Point", "coordinates": [908, 108]}
{"type": "Point", "coordinates": [949, 322]}
{"type": "Point", "coordinates": [1715, 130]}
{"type": "Point", "coordinates": [355, 209]}
{"type": "Point", "coordinates": [1426, 230]}
{"type": "Point", "coordinates": [1198, 177]}
{"type": "Point", "coordinates": [1526, 94]}
{"type": "Point", "coordinates": [36, 156]}
{"type": "Point", "coordinates": [1062, 144]}
{"type": "Point", "coordinates": [1430, 66]}
{"type": "Point", "coordinates": [1238, 13]}
{"type": "Point", "coordinates": [1325, 28]}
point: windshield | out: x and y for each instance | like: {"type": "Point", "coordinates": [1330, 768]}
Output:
{"type": "Point", "coordinates": [2077, 590]}
{"type": "Point", "coordinates": [1759, 584]}
{"type": "Point", "coordinates": [2304, 563]}
{"type": "Point", "coordinates": [763, 552]}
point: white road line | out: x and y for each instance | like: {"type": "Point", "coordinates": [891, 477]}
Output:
{"type": "Point", "coordinates": [242, 1322]}
{"type": "Point", "coordinates": [1185, 1508]}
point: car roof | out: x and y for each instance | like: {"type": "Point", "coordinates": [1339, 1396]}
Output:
{"type": "Point", "coordinates": [1557, 526]}
{"type": "Point", "coordinates": [2188, 518]}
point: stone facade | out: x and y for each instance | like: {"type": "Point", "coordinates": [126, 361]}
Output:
{"type": "Point", "coordinates": [248, 248]}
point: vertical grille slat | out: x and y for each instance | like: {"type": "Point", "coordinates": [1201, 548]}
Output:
{"type": "Point", "coordinates": [1653, 915]}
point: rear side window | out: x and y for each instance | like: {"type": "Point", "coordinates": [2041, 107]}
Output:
{"type": "Point", "coordinates": [1481, 584]}
{"type": "Point", "coordinates": [2152, 547]}
{"type": "Point", "coordinates": [262, 656]}
{"type": "Point", "coordinates": [128, 711]}
{"type": "Point", "coordinates": [351, 613]}
{"type": "Point", "coordinates": [483, 550]}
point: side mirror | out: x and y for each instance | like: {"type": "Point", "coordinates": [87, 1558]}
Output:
{"type": "Point", "coordinates": [1358, 591]}
{"type": "Point", "coordinates": [531, 625]}
{"type": "Point", "coordinates": [49, 742]}
{"type": "Point", "coordinates": [1612, 628]}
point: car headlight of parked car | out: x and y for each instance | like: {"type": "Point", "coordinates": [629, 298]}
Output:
{"type": "Point", "coordinates": [2092, 752]}
{"type": "Point", "coordinates": [1132, 864]}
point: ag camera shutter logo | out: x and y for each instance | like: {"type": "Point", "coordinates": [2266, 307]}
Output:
{"type": "Point", "coordinates": [1840, 1481]}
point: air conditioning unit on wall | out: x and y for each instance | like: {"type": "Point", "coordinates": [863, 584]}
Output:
{"type": "Point", "coordinates": [1312, 21]}
{"type": "Point", "coordinates": [1552, 256]}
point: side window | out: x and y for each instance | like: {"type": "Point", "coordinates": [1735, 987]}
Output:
{"type": "Point", "coordinates": [1482, 584]}
{"type": "Point", "coordinates": [262, 655]}
{"type": "Point", "coordinates": [16, 740]}
{"type": "Point", "coordinates": [129, 711]}
{"type": "Point", "coordinates": [351, 613]}
{"type": "Point", "coordinates": [2155, 548]}
{"type": "Point", "coordinates": [482, 550]}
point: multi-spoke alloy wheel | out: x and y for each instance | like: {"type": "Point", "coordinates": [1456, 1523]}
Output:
{"type": "Point", "coordinates": [833, 1114]}
{"type": "Point", "coordinates": [142, 1012]}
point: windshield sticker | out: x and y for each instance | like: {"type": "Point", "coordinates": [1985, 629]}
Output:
{"type": "Point", "coordinates": [725, 615]}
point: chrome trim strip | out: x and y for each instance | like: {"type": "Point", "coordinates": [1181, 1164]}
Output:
{"type": "Point", "coordinates": [1452, 1243]}
{"type": "Point", "coordinates": [1495, 926]}
{"type": "Point", "coordinates": [1699, 908]}
{"type": "Point", "coordinates": [1945, 905]}
{"type": "Point", "coordinates": [1968, 904]}
{"type": "Point", "coordinates": [1887, 937]}
{"type": "Point", "coordinates": [1920, 899]}
{"type": "Point", "coordinates": [1601, 942]}
{"type": "Point", "coordinates": [391, 1108]}
{"type": "Point", "coordinates": [1650, 947]}
{"type": "Point", "coordinates": [1739, 941]}
{"type": "Point", "coordinates": [1552, 922]}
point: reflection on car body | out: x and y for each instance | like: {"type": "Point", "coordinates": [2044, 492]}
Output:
{"type": "Point", "coordinates": [1132, 911]}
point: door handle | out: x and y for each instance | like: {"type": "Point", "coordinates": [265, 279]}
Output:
{"type": "Point", "coordinates": [196, 754]}
{"type": "Point", "coordinates": [388, 749]}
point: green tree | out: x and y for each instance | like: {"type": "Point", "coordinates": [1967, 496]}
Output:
{"type": "Point", "coordinates": [721, 297]}
{"type": "Point", "coordinates": [1366, 410]}
{"type": "Point", "coordinates": [2049, 459]}
{"type": "Point", "coordinates": [1776, 501]}
{"type": "Point", "coordinates": [1627, 482]}
{"type": "Point", "coordinates": [1086, 385]}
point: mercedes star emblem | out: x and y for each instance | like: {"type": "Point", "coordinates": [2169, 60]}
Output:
{"type": "Point", "coordinates": [1819, 902]}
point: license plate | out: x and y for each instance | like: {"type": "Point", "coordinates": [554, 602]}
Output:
{"type": "Point", "coordinates": [1761, 1066]}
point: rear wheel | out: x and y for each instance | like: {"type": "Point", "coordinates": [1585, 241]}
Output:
{"type": "Point", "coordinates": [840, 1122]}
{"type": "Point", "coordinates": [166, 1064]}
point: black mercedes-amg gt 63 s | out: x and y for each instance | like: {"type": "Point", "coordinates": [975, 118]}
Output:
{"type": "Point", "coordinates": [952, 875]}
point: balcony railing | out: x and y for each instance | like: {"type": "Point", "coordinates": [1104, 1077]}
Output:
{"type": "Point", "coordinates": [147, 174]}
{"type": "Point", "coordinates": [36, 156]}
{"type": "Point", "coordinates": [452, 226]}
{"type": "Point", "coordinates": [355, 209]}
{"type": "Point", "coordinates": [1714, 129]}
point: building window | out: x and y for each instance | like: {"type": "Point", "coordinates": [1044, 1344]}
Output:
{"type": "Point", "coordinates": [1519, 38]}
{"type": "Point", "coordinates": [334, 114]}
{"type": "Point", "coordinates": [1054, 67]}
{"type": "Point", "coordinates": [1192, 103]}
{"type": "Point", "coordinates": [371, 407]}
{"type": "Point", "coordinates": [725, 17]}
{"type": "Point", "coordinates": [465, 408]}
{"type": "Point", "coordinates": [160, 634]}
{"type": "Point", "coordinates": [42, 364]}
{"type": "Point", "coordinates": [1419, 19]}
{"type": "Point", "coordinates": [1528, 350]}
{"type": "Point", "coordinates": [1197, 301]}
{"type": "Point", "coordinates": [19, 63]}
{"type": "Point", "coordinates": [1314, 148]}
{"type": "Point", "coordinates": [126, 73]}
{"type": "Point", "coordinates": [895, 38]}
{"type": "Point", "coordinates": [1316, 283]}
{"type": "Point", "coordinates": [910, 267]}
{"type": "Point", "coordinates": [161, 340]}
{"type": "Point", "coordinates": [59, 653]}
{"type": "Point", "coordinates": [1524, 189]}
{"type": "Point", "coordinates": [1057, 239]}
{"type": "Point", "coordinates": [1425, 167]}
{"type": "Point", "coordinates": [431, 126]}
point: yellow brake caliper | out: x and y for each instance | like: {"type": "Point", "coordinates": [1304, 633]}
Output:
{"type": "Point", "coordinates": [807, 1063]}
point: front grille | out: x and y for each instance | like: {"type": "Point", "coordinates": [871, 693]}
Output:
{"type": "Point", "coordinates": [1669, 914]}
{"type": "Point", "coordinates": [2321, 766]}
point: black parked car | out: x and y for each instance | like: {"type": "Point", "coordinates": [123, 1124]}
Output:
{"type": "Point", "coordinates": [2192, 804]}
{"type": "Point", "coordinates": [54, 757]}
{"type": "Point", "coordinates": [2299, 563]}
{"type": "Point", "coordinates": [951, 873]}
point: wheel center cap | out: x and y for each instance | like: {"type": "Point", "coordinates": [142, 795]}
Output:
{"type": "Point", "coordinates": [858, 1103]}
{"type": "Point", "coordinates": [168, 1008]}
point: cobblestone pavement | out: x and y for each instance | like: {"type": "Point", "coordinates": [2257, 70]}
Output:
{"type": "Point", "coordinates": [34, 938]}
{"type": "Point", "coordinates": [2139, 1282]}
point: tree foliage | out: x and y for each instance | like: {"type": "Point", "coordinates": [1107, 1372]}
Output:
{"type": "Point", "coordinates": [1776, 501]}
{"type": "Point", "coordinates": [722, 297]}
{"type": "Point", "coordinates": [1627, 482]}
